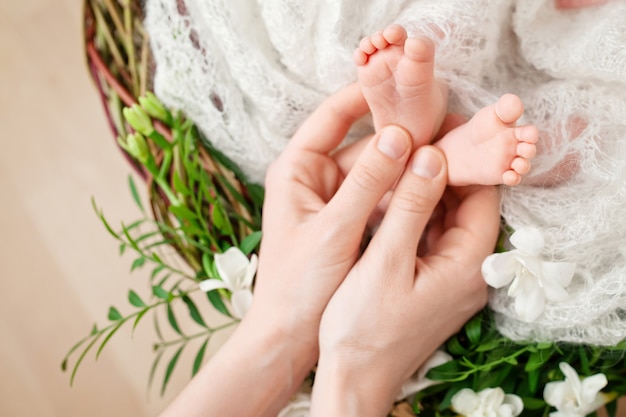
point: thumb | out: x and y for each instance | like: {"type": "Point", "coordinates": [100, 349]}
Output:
{"type": "Point", "coordinates": [412, 203]}
{"type": "Point", "coordinates": [374, 173]}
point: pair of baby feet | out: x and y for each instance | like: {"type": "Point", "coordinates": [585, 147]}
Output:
{"type": "Point", "coordinates": [396, 74]}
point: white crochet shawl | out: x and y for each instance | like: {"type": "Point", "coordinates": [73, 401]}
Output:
{"type": "Point", "coordinates": [248, 72]}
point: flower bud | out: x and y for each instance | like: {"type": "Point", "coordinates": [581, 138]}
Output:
{"type": "Point", "coordinates": [153, 107]}
{"type": "Point", "coordinates": [138, 119]}
{"type": "Point", "coordinates": [136, 146]}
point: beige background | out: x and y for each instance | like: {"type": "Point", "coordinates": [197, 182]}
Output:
{"type": "Point", "coordinates": [59, 269]}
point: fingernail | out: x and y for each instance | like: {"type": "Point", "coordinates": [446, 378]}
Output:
{"type": "Point", "coordinates": [393, 142]}
{"type": "Point", "coordinates": [426, 163]}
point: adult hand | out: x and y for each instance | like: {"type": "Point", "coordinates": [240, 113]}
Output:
{"type": "Point", "coordinates": [314, 218]}
{"type": "Point", "coordinates": [394, 308]}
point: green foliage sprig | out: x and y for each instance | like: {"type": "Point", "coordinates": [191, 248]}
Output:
{"type": "Point", "coordinates": [483, 358]}
{"type": "Point", "coordinates": [201, 204]}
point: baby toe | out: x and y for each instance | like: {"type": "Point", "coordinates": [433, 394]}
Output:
{"type": "Point", "coordinates": [520, 165]}
{"type": "Point", "coordinates": [528, 133]}
{"type": "Point", "coordinates": [509, 108]}
{"type": "Point", "coordinates": [379, 41]}
{"type": "Point", "coordinates": [359, 57]}
{"type": "Point", "coordinates": [511, 178]}
{"type": "Point", "coordinates": [526, 150]}
{"type": "Point", "coordinates": [395, 34]}
{"type": "Point", "coordinates": [367, 46]}
{"type": "Point", "coordinates": [419, 49]}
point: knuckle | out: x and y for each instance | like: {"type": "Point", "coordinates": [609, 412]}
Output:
{"type": "Point", "coordinates": [366, 177]}
{"type": "Point", "coordinates": [413, 202]}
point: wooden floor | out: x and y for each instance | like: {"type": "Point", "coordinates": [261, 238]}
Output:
{"type": "Point", "coordinates": [59, 270]}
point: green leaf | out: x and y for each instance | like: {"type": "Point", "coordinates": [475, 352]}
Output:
{"type": "Point", "coordinates": [584, 361]}
{"type": "Point", "coordinates": [531, 403]}
{"type": "Point", "coordinates": [93, 332]}
{"type": "Point", "coordinates": [114, 314]}
{"type": "Point", "coordinates": [170, 368]}
{"type": "Point", "coordinates": [182, 213]}
{"type": "Point", "coordinates": [106, 224]}
{"type": "Point", "coordinates": [160, 140]}
{"type": "Point", "coordinates": [156, 271]}
{"type": "Point", "coordinates": [250, 242]}
{"type": "Point", "coordinates": [473, 329]}
{"type": "Point", "coordinates": [135, 300]}
{"type": "Point", "coordinates": [193, 311]}
{"type": "Point", "coordinates": [172, 319]}
{"type": "Point", "coordinates": [220, 220]}
{"type": "Point", "coordinates": [139, 317]}
{"type": "Point", "coordinates": [157, 258]}
{"type": "Point", "coordinates": [455, 347]}
{"type": "Point", "coordinates": [133, 190]}
{"type": "Point", "coordinates": [511, 360]}
{"type": "Point", "coordinates": [533, 381]}
{"type": "Point", "coordinates": [138, 263]}
{"type": "Point", "coordinates": [489, 345]}
{"type": "Point", "coordinates": [108, 337]}
{"type": "Point", "coordinates": [154, 366]}
{"type": "Point", "coordinates": [536, 360]}
{"type": "Point", "coordinates": [544, 345]}
{"type": "Point", "coordinates": [199, 357]}
{"type": "Point", "coordinates": [216, 300]}
{"type": "Point", "coordinates": [122, 248]}
{"type": "Point", "coordinates": [447, 371]}
{"type": "Point", "coordinates": [257, 193]}
{"type": "Point", "coordinates": [82, 356]}
{"type": "Point", "coordinates": [208, 266]}
{"type": "Point", "coordinates": [179, 185]}
{"type": "Point", "coordinates": [160, 292]}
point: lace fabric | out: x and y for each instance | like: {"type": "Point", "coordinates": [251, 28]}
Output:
{"type": "Point", "coordinates": [248, 72]}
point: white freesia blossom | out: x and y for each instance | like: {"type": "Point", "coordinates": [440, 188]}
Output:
{"type": "Point", "coordinates": [236, 272]}
{"type": "Point", "coordinates": [418, 381]}
{"type": "Point", "coordinates": [532, 280]}
{"type": "Point", "coordinates": [298, 407]}
{"type": "Point", "coordinates": [573, 397]}
{"type": "Point", "coordinates": [490, 402]}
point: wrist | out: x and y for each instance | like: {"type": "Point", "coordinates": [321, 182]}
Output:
{"type": "Point", "coordinates": [352, 386]}
{"type": "Point", "coordinates": [276, 349]}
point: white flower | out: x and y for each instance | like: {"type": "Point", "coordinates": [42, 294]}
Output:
{"type": "Point", "coordinates": [418, 381]}
{"type": "Point", "coordinates": [298, 407]}
{"type": "Point", "coordinates": [490, 402]}
{"type": "Point", "coordinates": [236, 272]}
{"type": "Point", "coordinates": [573, 397]}
{"type": "Point", "coordinates": [532, 280]}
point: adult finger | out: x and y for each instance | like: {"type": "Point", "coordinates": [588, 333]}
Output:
{"type": "Point", "coordinates": [327, 126]}
{"type": "Point", "coordinates": [346, 156]}
{"type": "Point", "coordinates": [374, 173]}
{"type": "Point", "coordinates": [476, 226]}
{"type": "Point", "coordinates": [412, 203]}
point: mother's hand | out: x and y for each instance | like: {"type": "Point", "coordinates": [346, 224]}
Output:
{"type": "Point", "coordinates": [394, 308]}
{"type": "Point", "coordinates": [314, 218]}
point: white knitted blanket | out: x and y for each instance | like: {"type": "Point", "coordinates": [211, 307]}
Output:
{"type": "Point", "coordinates": [248, 72]}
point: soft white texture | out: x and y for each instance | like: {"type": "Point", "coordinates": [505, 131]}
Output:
{"type": "Point", "coordinates": [248, 72]}
{"type": "Point", "coordinates": [490, 402]}
{"type": "Point", "coordinates": [236, 272]}
{"type": "Point", "coordinates": [574, 397]}
{"type": "Point", "coordinates": [531, 281]}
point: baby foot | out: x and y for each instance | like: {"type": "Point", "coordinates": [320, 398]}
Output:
{"type": "Point", "coordinates": [490, 149]}
{"type": "Point", "coordinates": [396, 74]}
